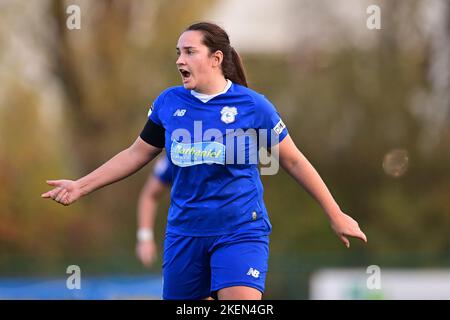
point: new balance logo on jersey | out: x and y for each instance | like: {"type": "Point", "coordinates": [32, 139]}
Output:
{"type": "Point", "coordinates": [179, 113]}
{"type": "Point", "coordinates": [253, 272]}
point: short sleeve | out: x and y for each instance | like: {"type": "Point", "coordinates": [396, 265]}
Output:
{"type": "Point", "coordinates": [268, 123]}
{"type": "Point", "coordinates": [153, 112]}
{"type": "Point", "coordinates": [154, 132]}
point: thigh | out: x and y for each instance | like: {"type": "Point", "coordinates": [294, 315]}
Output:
{"type": "Point", "coordinates": [239, 293]}
{"type": "Point", "coordinates": [240, 261]}
{"type": "Point", "coordinates": [186, 270]}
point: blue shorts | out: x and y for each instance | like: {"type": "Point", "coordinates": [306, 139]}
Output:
{"type": "Point", "coordinates": [197, 267]}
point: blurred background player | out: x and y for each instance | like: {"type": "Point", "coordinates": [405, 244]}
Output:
{"type": "Point", "coordinates": [157, 183]}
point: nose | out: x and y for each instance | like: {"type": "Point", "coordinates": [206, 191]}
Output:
{"type": "Point", "coordinates": [180, 60]}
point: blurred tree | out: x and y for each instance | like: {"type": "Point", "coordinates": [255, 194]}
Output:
{"type": "Point", "coordinates": [104, 77]}
{"type": "Point", "coordinates": [127, 71]}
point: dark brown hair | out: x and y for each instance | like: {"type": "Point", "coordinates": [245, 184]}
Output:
{"type": "Point", "coordinates": [215, 38]}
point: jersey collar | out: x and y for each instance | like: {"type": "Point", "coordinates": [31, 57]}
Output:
{"type": "Point", "coordinates": [206, 97]}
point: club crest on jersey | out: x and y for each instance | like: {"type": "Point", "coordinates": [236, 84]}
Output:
{"type": "Point", "coordinates": [228, 114]}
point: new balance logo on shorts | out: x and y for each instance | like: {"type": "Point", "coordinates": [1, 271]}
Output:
{"type": "Point", "coordinates": [253, 272]}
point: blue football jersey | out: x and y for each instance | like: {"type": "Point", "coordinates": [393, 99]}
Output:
{"type": "Point", "coordinates": [213, 146]}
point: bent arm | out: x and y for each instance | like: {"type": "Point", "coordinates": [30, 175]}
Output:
{"type": "Point", "coordinates": [148, 202]}
{"type": "Point", "coordinates": [147, 208]}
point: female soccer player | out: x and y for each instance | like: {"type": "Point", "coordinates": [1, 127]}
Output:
{"type": "Point", "coordinates": [158, 182]}
{"type": "Point", "coordinates": [217, 235]}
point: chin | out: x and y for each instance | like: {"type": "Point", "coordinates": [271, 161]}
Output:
{"type": "Point", "coordinates": [188, 86]}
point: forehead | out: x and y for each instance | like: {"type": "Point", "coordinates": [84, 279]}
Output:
{"type": "Point", "coordinates": [190, 39]}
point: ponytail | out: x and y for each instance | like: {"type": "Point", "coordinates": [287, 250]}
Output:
{"type": "Point", "coordinates": [215, 38]}
{"type": "Point", "coordinates": [238, 76]}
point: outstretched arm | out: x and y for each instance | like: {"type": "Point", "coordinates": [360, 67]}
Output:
{"type": "Point", "coordinates": [296, 164]}
{"type": "Point", "coordinates": [119, 167]}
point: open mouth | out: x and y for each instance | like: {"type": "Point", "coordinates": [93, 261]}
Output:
{"type": "Point", "coordinates": [184, 74]}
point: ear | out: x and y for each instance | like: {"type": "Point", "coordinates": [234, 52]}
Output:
{"type": "Point", "coordinates": [217, 58]}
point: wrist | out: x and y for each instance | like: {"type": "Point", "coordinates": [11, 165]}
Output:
{"type": "Point", "coordinates": [333, 213]}
{"type": "Point", "coordinates": [82, 187]}
{"type": "Point", "coordinates": [144, 234]}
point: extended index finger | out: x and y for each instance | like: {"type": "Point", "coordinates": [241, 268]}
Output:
{"type": "Point", "coordinates": [49, 194]}
{"type": "Point", "coordinates": [359, 235]}
{"type": "Point", "coordinates": [363, 236]}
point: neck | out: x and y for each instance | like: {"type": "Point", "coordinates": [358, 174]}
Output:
{"type": "Point", "coordinates": [213, 86]}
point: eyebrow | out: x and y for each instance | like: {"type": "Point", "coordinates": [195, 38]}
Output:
{"type": "Point", "coordinates": [186, 48]}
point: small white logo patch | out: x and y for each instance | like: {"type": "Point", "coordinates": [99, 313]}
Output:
{"type": "Point", "coordinates": [279, 127]}
{"type": "Point", "coordinates": [179, 113]}
{"type": "Point", "coordinates": [253, 272]}
{"type": "Point", "coordinates": [228, 114]}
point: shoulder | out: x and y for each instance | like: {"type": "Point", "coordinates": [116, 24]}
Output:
{"type": "Point", "coordinates": [170, 92]}
{"type": "Point", "coordinates": [158, 104]}
{"type": "Point", "coordinates": [163, 98]}
{"type": "Point", "coordinates": [257, 98]}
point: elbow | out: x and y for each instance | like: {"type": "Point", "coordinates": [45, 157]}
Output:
{"type": "Point", "coordinates": [137, 158]}
{"type": "Point", "coordinates": [142, 157]}
{"type": "Point", "coordinates": [290, 164]}
{"type": "Point", "coordinates": [142, 153]}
